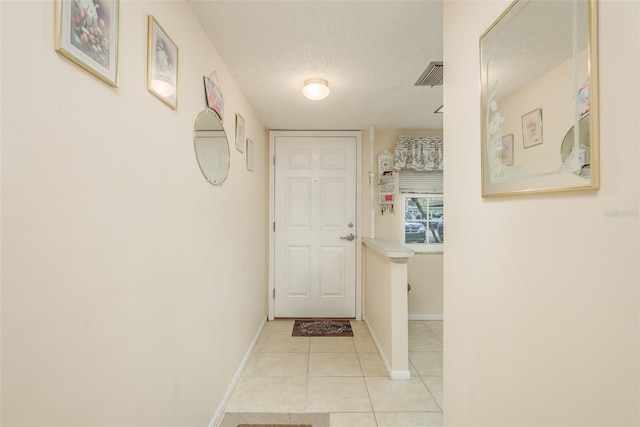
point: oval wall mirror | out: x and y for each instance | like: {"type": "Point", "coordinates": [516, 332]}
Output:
{"type": "Point", "coordinates": [211, 147]}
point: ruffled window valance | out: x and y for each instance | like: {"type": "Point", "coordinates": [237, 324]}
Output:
{"type": "Point", "coordinates": [420, 153]}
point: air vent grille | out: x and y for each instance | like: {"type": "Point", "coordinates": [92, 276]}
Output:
{"type": "Point", "coordinates": [432, 76]}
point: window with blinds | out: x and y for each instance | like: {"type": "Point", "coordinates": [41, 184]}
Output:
{"type": "Point", "coordinates": [422, 209]}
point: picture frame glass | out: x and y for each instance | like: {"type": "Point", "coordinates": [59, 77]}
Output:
{"type": "Point", "coordinates": [162, 65]}
{"type": "Point", "coordinates": [86, 32]}
{"type": "Point", "coordinates": [213, 96]}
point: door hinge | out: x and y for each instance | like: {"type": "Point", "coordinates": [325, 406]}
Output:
{"type": "Point", "coordinates": [274, 293]}
{"type": "Point", "coordinates": [274, 227]}
{"type": "Point", "coordinates": [274, 160]}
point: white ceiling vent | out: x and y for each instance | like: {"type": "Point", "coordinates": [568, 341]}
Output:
{"type": "Point", "coordinates": [432, 76]}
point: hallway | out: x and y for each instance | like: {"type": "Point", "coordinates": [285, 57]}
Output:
{"type": "Point", "coordinates": [343, 376]}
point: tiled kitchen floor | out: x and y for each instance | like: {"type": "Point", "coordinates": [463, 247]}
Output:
{"type": "Point", "coordinates": [343, 376]}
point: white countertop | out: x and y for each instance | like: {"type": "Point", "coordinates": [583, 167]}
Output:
{"type": "Point", "coordinates": [388, 249]}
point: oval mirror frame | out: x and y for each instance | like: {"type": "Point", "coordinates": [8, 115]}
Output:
{"type": "Point", "coordinates": [539, 59]}
{"type": "Point", "coordinates": [211, 147]}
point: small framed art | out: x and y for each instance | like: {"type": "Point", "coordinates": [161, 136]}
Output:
{"type": "Point", "coordinates": [239, 133]}
{"type": "Point", "coordinates": [162, 65]}
{"type": "Point", "coordinates": [532, 128]}
{"type": "Point", "coordinates": [506, 154]}
{"type": "Point", "coordinates": [215, 100]}
{"type": "Point", "coordinates": [583, 100]}
{"type": "Point", "coordinates": [86, 32]}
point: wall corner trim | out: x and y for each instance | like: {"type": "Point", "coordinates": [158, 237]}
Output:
{"type": "Point", "coordinates": [394, 375]}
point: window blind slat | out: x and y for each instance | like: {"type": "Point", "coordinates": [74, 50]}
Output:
{"type": "Point", "coordinates": [420, 181]}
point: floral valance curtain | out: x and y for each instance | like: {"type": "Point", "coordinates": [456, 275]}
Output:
{"type": "Point", "coordinates": [420, 153]}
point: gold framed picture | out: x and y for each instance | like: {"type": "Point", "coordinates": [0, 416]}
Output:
{"type": "Point", "coordinates": [162, 65]}
{"type": "Point", "coordinates": [86, 33]}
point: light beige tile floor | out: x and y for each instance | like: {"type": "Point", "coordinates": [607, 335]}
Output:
{"type": "Point", "coordinates": [344, 376]}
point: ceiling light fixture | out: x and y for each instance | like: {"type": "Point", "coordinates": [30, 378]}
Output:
{"type": "Point", "coordinates": [316, 89]}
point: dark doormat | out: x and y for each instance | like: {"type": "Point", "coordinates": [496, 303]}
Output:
{"type": "Point", "coordinates": [255, 419]}
{"type": "Point", "coordinates": [322, 328]}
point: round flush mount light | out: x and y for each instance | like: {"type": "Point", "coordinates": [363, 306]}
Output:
{"type": "Point", "coordinates": [316, 89]}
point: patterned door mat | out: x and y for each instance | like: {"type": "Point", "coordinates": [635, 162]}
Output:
{"type": "Point", "coordinates": [322, 328]}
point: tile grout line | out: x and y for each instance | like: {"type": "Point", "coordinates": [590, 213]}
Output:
{"type": "Point", "coordinates": [355, 351]}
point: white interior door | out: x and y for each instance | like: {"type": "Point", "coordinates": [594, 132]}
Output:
{"type": "Point", "coordinates": [315, 214]}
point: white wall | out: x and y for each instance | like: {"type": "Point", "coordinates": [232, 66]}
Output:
{"type": "Point", "coordinates": [426, 280]}
{"type": "Point", "coordinates": [385, 309]}
{"type": "Point", "coordinates": [541, 291]}
{"type": "Point", "coordinates": [131, 288]}
{"type": "Point", "coordinates": [425, 270]}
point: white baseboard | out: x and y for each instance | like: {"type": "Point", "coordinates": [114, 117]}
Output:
{"type": "Point", "coordinates": [225, 400]}
{"type": "Point", "coordinates": [394, 375]}
{"type": "Point", "coordinates": [426, 317]}
{"type": "Point", "coordinates": [400, 375]}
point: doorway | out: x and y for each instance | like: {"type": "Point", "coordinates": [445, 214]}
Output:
{"type": "Point", "coordinates": [315, 216]}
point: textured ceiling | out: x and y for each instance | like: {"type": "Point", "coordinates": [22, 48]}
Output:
{"type": "Point", "coordinates": [371, 52]}
{"type": "Point", "coordinates": [530, 40]}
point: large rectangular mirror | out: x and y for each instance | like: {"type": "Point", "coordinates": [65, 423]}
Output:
{"type": "Point", "coordinates": [539, 98]}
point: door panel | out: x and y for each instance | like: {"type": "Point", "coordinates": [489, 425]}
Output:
{"type": "Point", "coordinates": [314, 206]}
{"type": "Point", "coordinates": [298, 214]}
{"type": "Point", "coordinates": [332, 278]}
{"type": "Point", "coordinates": [298, 272]}
{"type": "Point", "coordinates": [332, 194]}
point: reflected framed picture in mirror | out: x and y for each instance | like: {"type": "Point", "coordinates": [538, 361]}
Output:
{"type": "Point", "coordinates": [540, 56]}
{"type": "Point", "coordinates": [506, 154]}
{"type": "Point", "coordinates": [532, 128]}
{"type": "Point", "coordinates": [583, 100]}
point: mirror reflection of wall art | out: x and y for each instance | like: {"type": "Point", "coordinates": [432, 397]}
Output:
{"type": "Point", "coordinates": [506, 154]}
{"type": "Point", "coordinates": [239, 133]}
{"type": "Point", "coordinates": [532, 128]}
{"type": "Point", "coordinates": [583, 100]}
{"type": "Point", "coordinates": [162, 65]}
{"type": "Point", "coordinates": [540, 56]}
{"type": "Point", "coordinates": [87, 33]}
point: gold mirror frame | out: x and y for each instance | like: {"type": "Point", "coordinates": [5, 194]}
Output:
{"type": "Point", "coordinates": [547, 105]}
